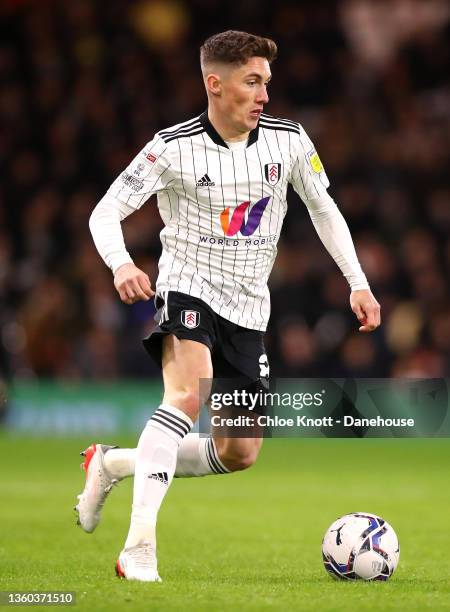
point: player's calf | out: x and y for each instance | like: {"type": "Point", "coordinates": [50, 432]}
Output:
{"type": "Point", "coordinates": [238, 453]}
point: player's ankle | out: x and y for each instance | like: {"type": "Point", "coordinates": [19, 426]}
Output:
{"type": "Point", "coordinates": [120, 462]}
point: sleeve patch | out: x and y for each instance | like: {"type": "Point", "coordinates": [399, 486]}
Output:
{"type": "Point", "coordinates": [131, 181]}
{"type": "Point", "coordinates": [150, 157]}
{"type": "Point", "coordinates": [315, 162]}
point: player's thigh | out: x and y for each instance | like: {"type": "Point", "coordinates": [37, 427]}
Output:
{"type": "Point", "coordinates": [184, 364]}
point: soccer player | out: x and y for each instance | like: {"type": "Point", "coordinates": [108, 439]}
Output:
{"type": "Point", "coordinates": [221, 181]}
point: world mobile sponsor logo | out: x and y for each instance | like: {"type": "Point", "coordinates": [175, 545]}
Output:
{"type": "Point", "coordinates": [227, 242]}
{"type": "Point", "coordinates": [238, 222]}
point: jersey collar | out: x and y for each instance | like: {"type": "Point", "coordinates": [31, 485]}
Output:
{"type": "Point", "coordinates": [215, 136]}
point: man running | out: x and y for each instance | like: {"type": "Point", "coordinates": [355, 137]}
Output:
{"type": "Point", "coordinates": [221, 181]}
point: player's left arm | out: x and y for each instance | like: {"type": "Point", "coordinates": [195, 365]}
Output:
{"type": "Point", "coordinates": [333, 231]}
{"type": "Point", "coordinates": [310, 181]}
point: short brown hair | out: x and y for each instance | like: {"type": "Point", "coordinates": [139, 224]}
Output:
{"type": "Point", "coordinates": [233, 47]}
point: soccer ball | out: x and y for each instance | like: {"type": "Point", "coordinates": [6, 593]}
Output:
{"type": "Point", "coordinates": [362, 546]}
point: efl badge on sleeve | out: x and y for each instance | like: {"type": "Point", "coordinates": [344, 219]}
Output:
{"type": "Point", "coordinates": [151, 157]}
{"type": "Point", "coordinates": [272, 173]}
{"type": "Point", "coordinates": [190, 318]}
{"type": "Point", "coordinates": [315, 162]}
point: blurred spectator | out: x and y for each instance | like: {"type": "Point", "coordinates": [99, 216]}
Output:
{"type": "Point", "coordinates": [83, 89]}
{"type": "Point", "coordinates": [298, 350]}
{"type": "Point", "coordinates": [358, 356]}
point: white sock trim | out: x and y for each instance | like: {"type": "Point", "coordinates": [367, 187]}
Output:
{"type": "Point", "coordinates": [171, 420]}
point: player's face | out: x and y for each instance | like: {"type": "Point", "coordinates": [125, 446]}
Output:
{"type": "Point", "coordinates": [244, 93]}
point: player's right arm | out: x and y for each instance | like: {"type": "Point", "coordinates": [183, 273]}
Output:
{"type": "Point", "coordinates": [148, 173]}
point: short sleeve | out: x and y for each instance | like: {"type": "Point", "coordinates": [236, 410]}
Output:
{"type": "Point", "coordinates": [308, 176]}
{"type": "Point", "coordinates": [148, 173]}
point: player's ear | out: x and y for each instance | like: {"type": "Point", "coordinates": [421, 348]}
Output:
{"type": "Point", "coordinates": [213, 84]}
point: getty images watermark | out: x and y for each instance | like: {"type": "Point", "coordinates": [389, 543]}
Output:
{"type": "Point", "coordinates": [242, 398]}
{"type": "Point", "coordinates": [328, 407]}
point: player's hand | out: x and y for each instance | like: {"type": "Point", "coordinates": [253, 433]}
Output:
{"type": "Point", "coordinates": [366, 309]}
{"type": "Point", "coordinates": [132, 284]}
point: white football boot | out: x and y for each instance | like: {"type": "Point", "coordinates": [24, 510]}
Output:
{"type": "Point", "coordinates": [98, 484]}
{"type": "Point", "coordinates": [138, 563]}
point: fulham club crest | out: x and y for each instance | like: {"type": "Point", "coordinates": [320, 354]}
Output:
{"type": "Point", "coordinates": [190, 318]}
{"type": "Point", "coordinates": [272, 173]}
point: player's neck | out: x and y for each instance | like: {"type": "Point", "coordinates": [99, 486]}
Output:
{"type": "Point", "coordinates": [227, 132]}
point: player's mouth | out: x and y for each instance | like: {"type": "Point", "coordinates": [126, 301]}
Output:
{"type": "Point", "coordinates": [256, 113]}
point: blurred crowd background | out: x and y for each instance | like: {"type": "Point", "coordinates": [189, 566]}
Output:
{"type": "Point", "coordinates": [85, 84]}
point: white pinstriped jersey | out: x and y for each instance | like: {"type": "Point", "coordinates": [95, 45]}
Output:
{"type": "Point", "coordinates": [223, 209]}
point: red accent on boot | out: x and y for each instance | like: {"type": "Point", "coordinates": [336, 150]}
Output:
{"type": "Point", "coordinates": [88, 454]}
{"type": "Point", "coordinates": [119, 571]}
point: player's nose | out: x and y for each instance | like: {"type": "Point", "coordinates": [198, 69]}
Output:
{"type": "Point", "coordinates": [263, 96]}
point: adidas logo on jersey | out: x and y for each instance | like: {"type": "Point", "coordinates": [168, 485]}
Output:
{"type": "Point", "coordinates": [161, 477]}
{"type": "Point", "coordinates": [205, 181]}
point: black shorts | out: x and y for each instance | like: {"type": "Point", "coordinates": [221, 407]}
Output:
{"type": "Point", "coordinates": [238, 355]}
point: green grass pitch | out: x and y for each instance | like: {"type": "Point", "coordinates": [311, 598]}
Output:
{"type": "Point", "coordinates": [247, 541]}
